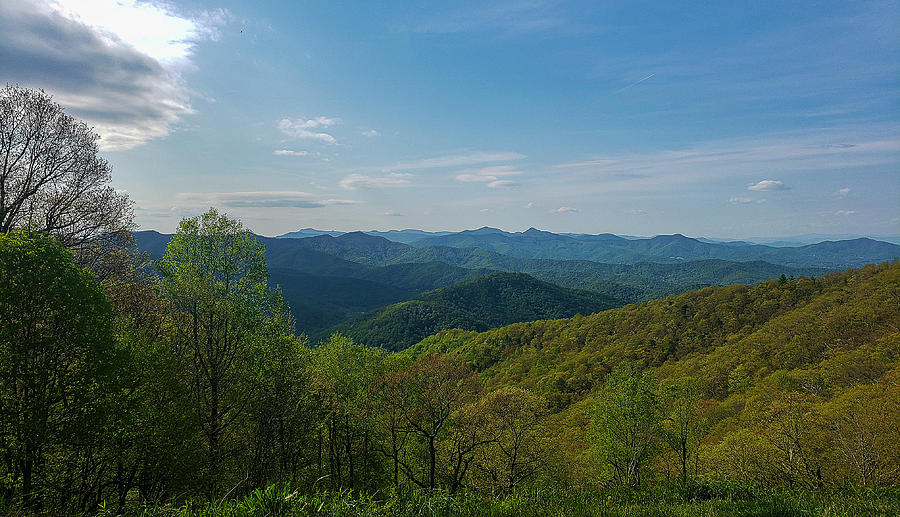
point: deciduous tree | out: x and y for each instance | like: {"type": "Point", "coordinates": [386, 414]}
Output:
{"type": "Point", "coordinates": [51, 176]}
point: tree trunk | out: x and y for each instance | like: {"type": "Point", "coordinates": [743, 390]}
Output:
{"type": "Point", "coordinates": [432, 454]}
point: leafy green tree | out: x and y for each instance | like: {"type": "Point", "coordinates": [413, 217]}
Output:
{"type": "Point", "coordinates": [58, 365]}
{"type": "Point", "coordinates": [516, 452]}
{"type": "Point", "coordinates": [344, 374]}
{"type": "Point", "coordinates": [214, 274]}
{"type": "Point", "coordinates": [51, 177]}
{"type": "Point", "coordinates": [626, 423]}
{"type": "Point", "coordinates": [682, 425]}
{"type": "Point", "coordinates": [433, 389]}
{"type": "Point", "coordinates": [284, 412]}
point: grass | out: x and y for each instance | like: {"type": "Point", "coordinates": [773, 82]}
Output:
{"type": "Point", "coordinates": [694, 500]}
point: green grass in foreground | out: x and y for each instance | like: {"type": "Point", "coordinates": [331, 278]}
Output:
{"type": "Point", "coordinates": [691, 500]}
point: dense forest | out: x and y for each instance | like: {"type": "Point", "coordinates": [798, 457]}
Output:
{"type": "Point", "coordinates": [487, 302]}
{"type": "Point", "coordinates": [178, 384]}
{"type": "Point", "coordinates": [327, 280]}
{"type": "Point", "coordinates": [191, 382]}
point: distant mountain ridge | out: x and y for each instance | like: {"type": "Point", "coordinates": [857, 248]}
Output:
{"type": "Point", "coordinates": [483, 303]}
{"type": "Point", "coordinates": [327, 279]}
{"type": "Point", "coordinates": [404, 236]}
{"type": "Point", "coordinates": [411, 235]}
{"type": "Point", "coordinates": [609, 248]}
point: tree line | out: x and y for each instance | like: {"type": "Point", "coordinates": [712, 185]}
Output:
{"type": "Point", "coordinates": [191, 383]}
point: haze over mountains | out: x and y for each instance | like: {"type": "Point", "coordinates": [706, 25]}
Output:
{"type": "Point", "coordinates": [370, 285]}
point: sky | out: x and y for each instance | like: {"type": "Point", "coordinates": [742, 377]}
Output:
{"type": "Point", "coordinates": [716, 119]}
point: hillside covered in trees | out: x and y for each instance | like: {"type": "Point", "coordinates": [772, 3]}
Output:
{"type": "Point", "coordinates": [327, 279]}
{"type": "Point", "coordinates": [792, 383]}
{"type": "Point", "coordinates": [480, 304]}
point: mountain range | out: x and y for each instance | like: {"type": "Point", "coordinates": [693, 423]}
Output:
{"type": "Point", "coordinates": [328, 279]}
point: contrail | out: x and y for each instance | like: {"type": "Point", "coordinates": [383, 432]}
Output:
{"type": "Point", "coordinates": [620, 90]}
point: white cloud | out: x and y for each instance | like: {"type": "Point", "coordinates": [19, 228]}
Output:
{"type": "Point", "coordinates": [490, 175]}
{"type": "Point", "coordinates": [309, 128]}
{"type": "Point", "coordinates": [116, 64]}
{"type": "Point", "coordinates": [338, 202]}
{"type": "Point", "coordinates": [638, 211]}
{"type": "Point", "coordinates": [391, 213]}
{"type": "Point", "coordinates": [844, 191]}
{"type": "Point", "coordinates": [256, 199]}
{"type": "Point", "coordinates": [290, 152]}
{"type": "Point", "coordinates": [760, 201]}
{"type": "Point", "coordinates": [458, 160]}
{"type": "Point", "coordinates": [741, 200]}
{"type": "Point", "coordinates": [357, 181]}
{"type": "Point", "coordinates": [715, 161]}
{"type": "Point", "coordinates": [563, 210]}
{"type": "Point", "coordinates": [370, 133]}
{"type": "Point", "coordinates": [845, 212]}
{"type": "Point", "coordinates": [530, 204]}
{"type": "Point", "coordinates": [765, 185]}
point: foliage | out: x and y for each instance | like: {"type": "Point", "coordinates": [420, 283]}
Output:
{"type": "Point", "coordinates": [786, 368]}
{"type": "Point", "coordinates": [57, 359]}
{"type": "Point", "coordinates": [214, 274]}
{"type": "Point", "coordinates": [626, 423]}
{"type": "Point", "coordinates": [487, 302]}
{"type": "Point", "coordinates": [51, 178]}
{"type": "Point", "coordinates": [780, 397]}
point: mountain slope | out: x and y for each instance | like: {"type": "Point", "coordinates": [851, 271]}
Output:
{"type": "Point", "coordinates": [814, 352]}
{"type": "Point", "coordinates": [486, 302]}
{"type": "Point", "coordinates": [324, 289]}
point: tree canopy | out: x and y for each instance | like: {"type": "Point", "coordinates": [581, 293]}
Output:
{"type": "Point", "coordinates": [51, 176]}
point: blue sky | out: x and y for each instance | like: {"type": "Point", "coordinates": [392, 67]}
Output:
{"type": "Point", "coordinates": [703, 118]}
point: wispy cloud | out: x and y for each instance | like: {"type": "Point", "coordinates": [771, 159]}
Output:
{"type": "Point", "coordinates": [370, 133]}
{"type": "Point", "coordinates": [766, 185]}
{"type": "Point", "coordinates": [844, 191]}
{"type": "Point", "coordinates": [741, 200]}
{"type": "Point", "coordinates": [490, 175]}
{"type": "Point", "coordinates": [290, 152]}
{"type": "Point", "coordinates": [457, 160]}
{"type": "Point", "coordinates": [740, 159]}
{"type": "Point", "coordinates": [309, 128]}
{"type": "Point", "coordinates": [639, 81]}
{"type": "Point", "coordinates": [845, 212]}
{"type": "Point", "coordinates": [563, 210]}
{"type": "Point", "coordinates": [362, 181]}
{"type": "Point", "coordinates": [116, 64]}
{"type": "Point", "coordinates": [257, 199]}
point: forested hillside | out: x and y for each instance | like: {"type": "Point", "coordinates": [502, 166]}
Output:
{"type": "Point", "coordinates": [486, 302]}
{"type": "Point", "coordinates": [793, 382]}
{"type": "Point", "coordinates": [190, 385]}
{"type": "Point", "coordinates": [327, 279]}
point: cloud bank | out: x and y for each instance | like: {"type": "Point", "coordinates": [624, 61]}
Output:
{"type": "Point", "coordinates": [116, 64]}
